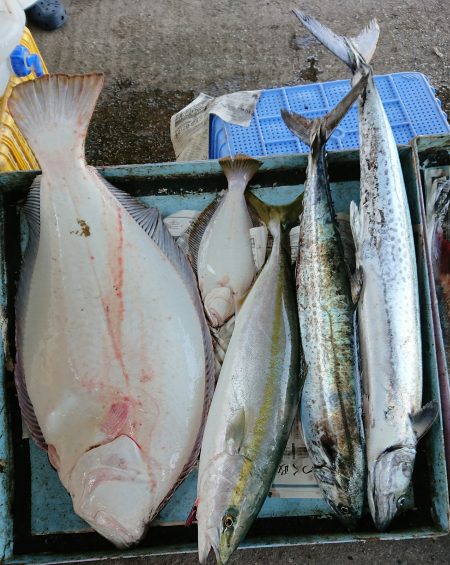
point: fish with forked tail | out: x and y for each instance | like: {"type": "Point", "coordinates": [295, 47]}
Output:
{"type": "Point", "coordinates": [114, 356]}
{"type": "Point", "coordinates": [330, 404]}
{"type": "Point", "coordinates": [254, 403]}
{"type": "Point", "coordinates": [385, 286]}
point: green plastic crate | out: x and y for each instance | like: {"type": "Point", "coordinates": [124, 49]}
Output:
{"type": "Point", "coordinates": [43, 527]}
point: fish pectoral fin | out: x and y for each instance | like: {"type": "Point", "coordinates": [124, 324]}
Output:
{"type": "Point", "coordinates": [424, 418]}
{"type": "Point", "coordinates": [235, 432]}
{"type": "Point", "coordinates": [356, 284]}
{"type": "Point", "coordinates": [117, 419]}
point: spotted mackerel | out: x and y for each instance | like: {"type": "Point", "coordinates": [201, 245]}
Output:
{"type": "Point", "coordinates": [330, 405]}
{"type": "Point", "coordinates": [386, 288]}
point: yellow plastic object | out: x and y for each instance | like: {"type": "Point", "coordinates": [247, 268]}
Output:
{"type": "Point", "coordinates": [15, 153]}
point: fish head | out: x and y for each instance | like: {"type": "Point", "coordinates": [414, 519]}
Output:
{"type": "Point", "coordinates": [234, 527]}
{"type": "Point", "coordinates": [388, 484]}
{"type": "Point", "coordinates": [220, 523]}
{"type": "Point", "coordinates": [344, 492]}
{"type": "Point", "coordinates": [111, 490]}
{"type": "Point", "coordinates": [219, 305]}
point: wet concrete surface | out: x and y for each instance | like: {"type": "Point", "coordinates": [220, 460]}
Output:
{"type": "Point", "coordinates": [411, 552]}
{"type": "Point", "coordinates": [158, 55]}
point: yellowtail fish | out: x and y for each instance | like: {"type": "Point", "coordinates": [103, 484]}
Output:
{"type": "Point", "coordinates": [114, 359]}
{"type": "Point", "coordinates": [386, 288]}
{"type": "Point", "coordinates": [331, 404]}
{"type": "Point", "coordinates": [253, 406]}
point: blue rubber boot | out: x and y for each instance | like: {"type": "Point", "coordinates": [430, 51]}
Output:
{"type": "Point", "coordinates": [47, 14]}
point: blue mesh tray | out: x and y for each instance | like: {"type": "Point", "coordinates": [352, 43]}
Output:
{"type": "Point", "coordinates": [408, 98]}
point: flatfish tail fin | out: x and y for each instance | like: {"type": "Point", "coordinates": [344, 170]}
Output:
{"type": "Point", "coordinates": [31, 210]}
{"type": "Point", "coordinates": [53, 113]}
{"type": "Point", "coordinates": [239, 170]}
{"type": "Point", "coordinates": [353, 51]}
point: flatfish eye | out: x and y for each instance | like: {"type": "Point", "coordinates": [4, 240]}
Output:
{"type": "Point", "coordinates": [401, 502]}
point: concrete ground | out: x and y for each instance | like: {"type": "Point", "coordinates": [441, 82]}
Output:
{"type": "Point", "coordinates": [158, 55]}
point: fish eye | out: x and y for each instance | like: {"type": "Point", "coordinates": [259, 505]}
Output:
{"type": "Point", "coordinates": [401, 502]}
{"type": "Point", "coordinates": [344, 510]}
{"type": "Point", "coordinates": [228, 521]}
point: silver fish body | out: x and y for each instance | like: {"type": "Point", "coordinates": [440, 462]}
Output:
{"type": "Point", "coordinates": [386, 287]}
{"type": "Point", "coordinates": [330, 404]}
{"type": "Point", "coordinates": [330, 407]}
{"type": "Point", "coordinates": [252, 410]}
{"type": "Point", "coordinates": [388, 313]}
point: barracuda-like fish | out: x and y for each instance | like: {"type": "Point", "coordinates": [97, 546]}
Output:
{"type": "Point", "coordinates": [330, 405]}
{"type": "Point", "coordinates": [386, 287]}
{"type": "Point", "coordinates": [253, 407]}
{"type": "Point", "coordinates": [220, 247]}
{"type": "Point", "coordinates": [114, 364]}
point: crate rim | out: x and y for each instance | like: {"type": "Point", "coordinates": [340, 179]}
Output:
{"type": "Point", "coordinates": [21, 181]}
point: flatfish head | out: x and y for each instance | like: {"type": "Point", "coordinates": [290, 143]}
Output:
{"type": "Point", "coordinates": [111, 489]}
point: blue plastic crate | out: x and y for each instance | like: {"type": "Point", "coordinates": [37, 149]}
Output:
{"type": "Point", "coordinates": [408, 98]}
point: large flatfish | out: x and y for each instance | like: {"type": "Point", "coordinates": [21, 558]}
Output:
{"type": "Point", "coordinates": [114, 359]}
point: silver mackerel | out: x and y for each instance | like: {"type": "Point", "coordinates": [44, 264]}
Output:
{"type": "Point", "coordinates": [386, 288]}
{"type": "Point", "coordinates": [330, 405]}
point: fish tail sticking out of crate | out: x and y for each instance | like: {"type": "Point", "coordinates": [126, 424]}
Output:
{"type": "Point", "coordinates": [356, 52]}
{"type": "Point", "coordinates": [54, 113]}
{"type": "Point", "coordinates": [316, 132]}
{"type": "Point", "coordinates": [239, 170]}
{"type": "Point", "coordinates": [278, 219]}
